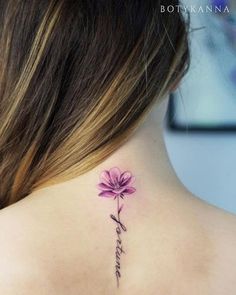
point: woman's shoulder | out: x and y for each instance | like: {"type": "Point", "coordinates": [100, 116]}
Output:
{"type": "Point", "coordinates": [19, 267]}
{"type": "Point", "coordinates": [43, 241]}
{"type": "Point", "coordinates": [23, 247]}
{"type": "Point", "coordinates": [52, 247]}
{"type": "Point", "coordinates": [222, 227]}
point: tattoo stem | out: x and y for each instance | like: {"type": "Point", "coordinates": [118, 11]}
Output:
{"type": "Point", "coordinates": [118, 204]}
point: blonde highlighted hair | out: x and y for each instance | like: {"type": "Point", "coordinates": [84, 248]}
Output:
{"type": "Point", "coordinates": [76, 77]}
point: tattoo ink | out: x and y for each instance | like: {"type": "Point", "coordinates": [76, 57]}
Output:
{"type": "Point", "coordinates": [116, 185]}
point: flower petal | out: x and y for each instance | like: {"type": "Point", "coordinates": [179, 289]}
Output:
{"type": "Point", "coordinates": [107, 194]}
{"type": "Point", "coordinates": [125, 175]}
{"type": "Point", "coordinates": [114, 175]}
{"type": "Point", "coordinates": [104, 187]}
{"type": "Point", "coordinates": [105, 177]}
{"type": "Point", "coordinates": [118, 190]}
{"type": "Point", "coordinates": [129, 190]}
{"type": "Point", "coordinates": [128, 181]}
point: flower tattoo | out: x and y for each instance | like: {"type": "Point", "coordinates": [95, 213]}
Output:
{"type": "Point", "coordinates": [116, 184]}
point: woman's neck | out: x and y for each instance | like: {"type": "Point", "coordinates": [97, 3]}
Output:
{"type": "Point", "coordinates": [144, 155]}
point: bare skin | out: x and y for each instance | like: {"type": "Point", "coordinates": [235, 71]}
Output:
{"type": "Point", "coordinates": [60, 239]}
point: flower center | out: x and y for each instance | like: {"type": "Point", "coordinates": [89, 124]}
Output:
{"type": "Point", "coordinates": [116, 184]}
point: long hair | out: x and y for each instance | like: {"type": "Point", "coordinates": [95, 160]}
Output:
{"type": "Point", "coordinates": [76, 78]}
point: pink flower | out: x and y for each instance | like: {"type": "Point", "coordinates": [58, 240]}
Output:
{"type": "Point", "coordinates": [114, 183]}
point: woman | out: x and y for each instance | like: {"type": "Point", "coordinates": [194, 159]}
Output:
{"type": "Point", "coordinates": [90, 203]}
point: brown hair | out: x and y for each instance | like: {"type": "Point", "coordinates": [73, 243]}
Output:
{"type": "Point", "coordinates": [76, 77]}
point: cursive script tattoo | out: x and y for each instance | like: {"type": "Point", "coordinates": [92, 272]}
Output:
{"type": "Point", "coordinates": [119, 247]}
{"type": "Point", "coordinates": [116, 185]}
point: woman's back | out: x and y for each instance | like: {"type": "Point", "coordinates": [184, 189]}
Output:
{"type": "Point", "coordinates": [69, 248]}
{"type": "Point", "coordinates": [62, 239]}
